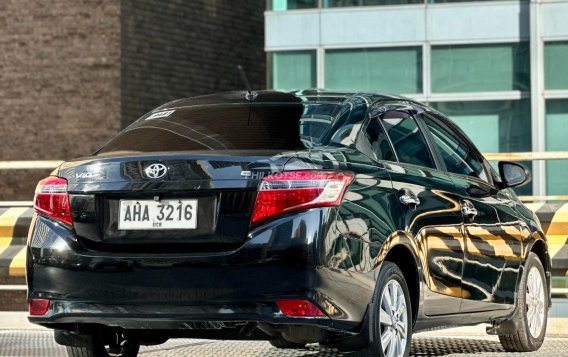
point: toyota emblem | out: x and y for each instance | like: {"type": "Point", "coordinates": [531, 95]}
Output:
{"type": "Point", "coordinates": [156, 171]}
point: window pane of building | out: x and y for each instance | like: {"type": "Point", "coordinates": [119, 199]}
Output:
{"type": "Point", "coordinates": [393, 70]}
{"type": "Point", "coordinates": [556, 124]}
{"type": "Point", "coordinates": [556, 65]}
{"type": "Point", "coordinates": [445, 1]}
{"type": "Point", "coordinates": [494, 126]}
{"type": "Point", "coordinates": [478, 68]}
{"type": "Point", "coordinates": [283, 5]}
{"type": "Point", "coordinates": [343, 3]}
{"type": "Point", "coordinates": [293, 70]}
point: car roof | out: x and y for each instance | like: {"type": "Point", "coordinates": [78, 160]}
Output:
{"type": "Point", "coordinates": [280, 97]}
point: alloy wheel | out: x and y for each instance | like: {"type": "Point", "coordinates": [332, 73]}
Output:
{"type": "Point", "coordinates": [535, 302]}
{"type": "Point", "coordinates": [393, 318]}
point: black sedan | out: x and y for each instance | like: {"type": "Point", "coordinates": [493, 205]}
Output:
{"type": "Point", "coordinates": [348, 219]}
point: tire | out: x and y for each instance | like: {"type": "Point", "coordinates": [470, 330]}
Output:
{"type": "Point", "coordinates": [390, 277]}
{"type": "Point", "coordinates": [282, 343]}
{"type": "Point", "coordinates": [98, 349]}
{"type": "Point", "coordinates": [529, 336]}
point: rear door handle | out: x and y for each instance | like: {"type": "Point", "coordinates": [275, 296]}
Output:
{"type": "Point", "coordinates": [409, 199]}
{"type": "Point", "coordinates": [468, 210]}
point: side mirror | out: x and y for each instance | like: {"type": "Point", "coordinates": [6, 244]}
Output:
{"type": "Point", "coordinates": [513, 174]}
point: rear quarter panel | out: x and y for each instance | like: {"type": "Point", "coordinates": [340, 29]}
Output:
{"type": "Point", "coordinates": [351, 251]}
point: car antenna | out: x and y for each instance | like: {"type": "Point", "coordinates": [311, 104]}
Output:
{"type": "Point", "coordinates": [244, 78]}
{"type": "Point", "coordinates": [251, 95]}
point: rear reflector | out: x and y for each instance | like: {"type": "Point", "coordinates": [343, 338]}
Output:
{"type": "Point", "coordinates": [51, 199]}
{"type": "Point", "coordinates": [299, 190]}
{"type": "Point", "coordinates": [38, 307]}
{"type": "Point", "coordinates": [299, 308]}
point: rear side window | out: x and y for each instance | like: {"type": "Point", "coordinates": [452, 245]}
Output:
{"type": "Point", "coordinates": [458, 156]}
{"type": "Point", "coordinates": [407, 139]}
{"type": "Point", "coordinates": [316, 121]}
{"type": "Point", "coordinates": [213, 127]}
{"type": "Point", "coordinates": [312, 129]}
{"type": "Point", "coordinates": [347, 123]}
{"type": "Point", "coordinates": [378, 141]}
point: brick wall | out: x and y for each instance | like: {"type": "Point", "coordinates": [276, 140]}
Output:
{"type": "Point", "coordinates": [72, 70]}
{"type": "Point", "coordinates": [181, 48]}
{"type": "Point", "coordinates": [59, 83]}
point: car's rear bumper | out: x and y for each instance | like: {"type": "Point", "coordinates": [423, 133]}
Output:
{"type": "Point", "coordinates": [167, 317]}
{"type": "Point", "coordinates": [182, 291]}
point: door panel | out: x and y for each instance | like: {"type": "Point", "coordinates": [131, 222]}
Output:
{"type": "Point", "coordinates": [430, 213]}
{"type": "Point", "coordinates": [493, 247]}
{"type": "Point", "coordinates": [435, 224]}
{"type": "Point", "coordinates": [491, 228]}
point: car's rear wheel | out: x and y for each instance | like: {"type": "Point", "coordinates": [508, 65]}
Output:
{"type": "Point", "coordinates": [531, 316]}
{"type": "Point", "coordinates": [392, 319]}
{"type": "Point", "coordinates": [99, 349]}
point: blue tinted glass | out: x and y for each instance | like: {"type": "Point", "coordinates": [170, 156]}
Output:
{"type": "Point", "coordinates": [283, 5]}
{"type": "Point", "coordinates": [408, 141]}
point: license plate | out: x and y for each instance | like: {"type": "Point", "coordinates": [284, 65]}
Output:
{"type": "Point", "coordinates": [164, 214]}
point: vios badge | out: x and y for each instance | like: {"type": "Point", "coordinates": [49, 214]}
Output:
{"type": "Point", "coordinates": [156, 171]}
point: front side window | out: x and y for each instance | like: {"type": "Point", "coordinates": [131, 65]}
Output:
{"type": "Point", "coordinates": [409, 143]}
{"type": "Point", "coordinates": [457, 155]}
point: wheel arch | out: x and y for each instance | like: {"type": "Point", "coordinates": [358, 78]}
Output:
{"type": "Point", "coordinates": [400, 251]}
{"type": "Point", "coordinates": [540, 248]}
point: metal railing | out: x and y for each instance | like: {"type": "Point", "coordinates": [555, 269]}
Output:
{"type": "Point", "coordinates": [532, 156]}
{"type": "Point", "coordinates": [29, 164]}
{"type": "Point", "coordinates": [517, 156]}
{"type": "Point", "coordinates": [513, 156]}
{"type": "Point", "coordinates": [16, 203]}
{"type": "Point", "coordinates": [527, 156]}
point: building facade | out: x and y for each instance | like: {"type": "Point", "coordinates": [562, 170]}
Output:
{"type": "Point", "coordinates": [73, 72]}
{"type": "Point", "coordinates": [499, 69]}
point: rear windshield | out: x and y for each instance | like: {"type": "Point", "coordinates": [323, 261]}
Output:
{"type": "Point", "coordinates": [213, 127]}
{"type": "Point", "coordinates": [263, 126]}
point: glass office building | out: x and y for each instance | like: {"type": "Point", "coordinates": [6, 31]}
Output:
{"type": "Point", "coordinates": [499, 69]}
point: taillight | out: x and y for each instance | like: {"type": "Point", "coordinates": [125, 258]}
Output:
{"type": "Point", "coordinates": [299, 190]}
{"type": "Point", "coordinates": [299, 308]}
{"type": "Point", "coordinates": [38, 307]}
{"type": "Point", "coordinates": [51, 199]}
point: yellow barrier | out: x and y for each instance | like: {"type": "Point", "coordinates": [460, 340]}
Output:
{"type": "Point", "coordinates": [554, 220]}
{"type": "Point", "coordinates": [15, 216]}
{"type": "Point", "coordinates": [14, 225]}
{"type": "Point", "coordinates": [15, 221]}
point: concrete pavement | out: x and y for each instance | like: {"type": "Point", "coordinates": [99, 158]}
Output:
{"type": "Point", "coordinates": [40, 343]}
{"type": "Point", "coordinates": [20, 338]}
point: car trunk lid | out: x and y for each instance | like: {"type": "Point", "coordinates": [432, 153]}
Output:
{"type": "Point", "coordinates": [223, 185]}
